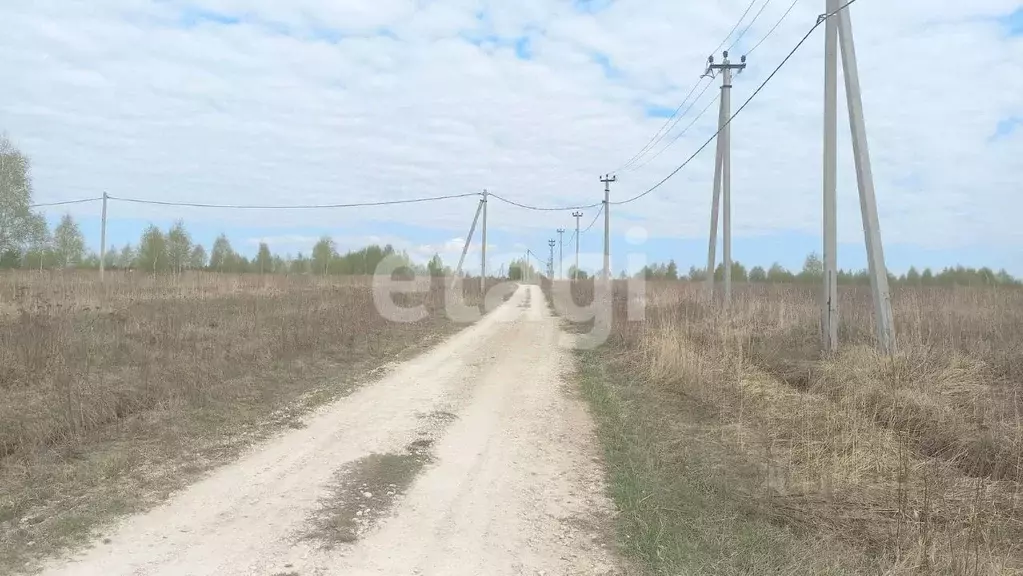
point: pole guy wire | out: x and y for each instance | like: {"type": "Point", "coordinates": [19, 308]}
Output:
{"type": "Point", "coordinates": [756, 92]}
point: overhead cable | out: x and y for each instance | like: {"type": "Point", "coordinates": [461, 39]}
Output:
{"type": "Point", "coordinates": [734, 28]}
{"type": "Point", "coordinates": [294, 206]}
{"type": "Point", "coordinates": [680, 134]}
{"type": "Point", "coordinates": [677, 120]}
{"type": "Point", "coordinates": [65, 202]}
{"type": "Point", "coordinates": [756, 92]}
{"type": "Point", "coordinates": [543, 208]}
{"type": "Point", "coordinates": [657, 137]}
{"type": "Point", "coordinates": [750, 25]}
{"type": "Point", "coordinates": [773, 28]}
{"type": "Point", "coordinates": [599, 212]}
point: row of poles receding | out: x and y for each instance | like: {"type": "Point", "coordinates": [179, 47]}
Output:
{"type": "Point", "coordinates": [838, 39]}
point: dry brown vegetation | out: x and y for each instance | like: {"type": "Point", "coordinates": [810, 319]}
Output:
{"type": "Point", "coordinates": [115, 395]}
{"type": "Point", "coordinates": [735, 447]}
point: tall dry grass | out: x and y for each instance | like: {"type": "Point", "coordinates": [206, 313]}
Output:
{"type": "Point", "coordinates": [915, 460]}
{"type": "Point", "coordinates": [110, 393]}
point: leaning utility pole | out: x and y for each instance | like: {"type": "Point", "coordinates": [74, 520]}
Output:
{"type": "Point", "coordinates": [550, 261]}
{"type": "Point", "coordinates": [607, 180]}
{"type": "Point", "coordinates": [561, 253]}
{"type": "Point", "coordinates": [725, 150]}
{"type": "Point", "coordinates": [577, 216]}
{"type": "Point", "coordinates": [864, 179]}
{"type": "Point", "coordinates": [468, 239]}
{"type": "Point", "coordinates": [483, 260]}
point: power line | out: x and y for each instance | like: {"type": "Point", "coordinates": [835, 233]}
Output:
{"type": "Point", "coordinates": [64, 202]}
{"type": "Point", "coordinates": [680, 134]}
{"type": "Point", "coordinates": [654, 139]}
{"type": "Point", "coordinates": [785, 61]}
{"type": "Point", "coordinates": [599, 212]}
{"type": "Point", "coordinates": [734, 28]}
{"type": "Point", "coordinates": [294, 206]}
{"type": "Point", "coordinates": [658, 136]}
{"type": "Point", "coordinates": [544, 208]}
{"type": "Point", "coordinates": [750, 25]}
{"type": "Point", "coordinates": [677, 120]}
{"type": "Point", "coordinates": [773, 28]}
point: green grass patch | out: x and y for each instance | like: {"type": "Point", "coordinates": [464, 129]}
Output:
{"type": "Point", "coordinates": [688, 503]}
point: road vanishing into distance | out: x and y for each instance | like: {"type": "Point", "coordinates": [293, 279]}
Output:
{"type": "Point", "coordinates": [474, 458]}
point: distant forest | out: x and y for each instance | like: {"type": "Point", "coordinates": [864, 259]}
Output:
{"type": "Point", "coordinates": [813, 270]}
{"type": "Point", "coordinates": [174, 251]}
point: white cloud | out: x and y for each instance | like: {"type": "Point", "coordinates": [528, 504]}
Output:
{"type": "Point", "coordinates": [125, 97]}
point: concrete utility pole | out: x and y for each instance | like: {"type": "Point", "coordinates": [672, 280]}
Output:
{"type": "Point", "coordinates": [829, 298]}
{"type": "Point", "coordinates": [725, 147]}
{"type": "Point", "coordinates": [483, 260]}
{"type": "Point", "coordinates": [577, 216]}
{"type": "Point", "coordinates": [561, 253]}
{"type": "Point", "coordinates": [607, 180]}
{"type": "Point", "coordinates": [468, 239]}
{"type": "Point", "coordinates": [550, 261]}
{"type": "Point", "coordinates": [865, 181]}
{"type": "Point", "coordinates": [715, 206]}
{"type": "Point", "coordinates": [102, 241]}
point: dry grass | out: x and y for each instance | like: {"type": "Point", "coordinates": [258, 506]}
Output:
{"type": "Point", "coordinates": [909, 464]}
{"type": "Point", "coordinates": [115, 396]}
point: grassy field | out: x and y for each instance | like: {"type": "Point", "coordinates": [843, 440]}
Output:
{"type": "Point", "coordinates": [116, 395]}
{"type": "Point", "coordinates": [735, 447]}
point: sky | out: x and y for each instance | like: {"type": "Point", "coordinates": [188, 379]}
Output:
{"type": "Point", "coordinates": [321, 102]}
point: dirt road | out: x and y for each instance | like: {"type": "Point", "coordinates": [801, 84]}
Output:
{"type": "Point", "coordinates": [475, 458]}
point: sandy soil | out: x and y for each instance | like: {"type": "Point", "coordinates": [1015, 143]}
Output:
{"type": "Point", "coordinates": [507, 477]}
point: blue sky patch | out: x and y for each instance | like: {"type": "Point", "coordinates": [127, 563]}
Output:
{"type": "Point", "coordinates": [609, 69]}
{"type": "Point", "coordinates": [591, 6]}
{"type": "Point", "coordinates": [655, 111]}
{"type": "Point", "coordinates": [522, 45]}
{"type": "Point", "coordinates": [1006, 127]}
{"type": "Point", "coordinates": [1013, 22]}
{"type": "Point", "coordinates": [523, 48]}
{"type": "Point", "coordinates": [192, 16]}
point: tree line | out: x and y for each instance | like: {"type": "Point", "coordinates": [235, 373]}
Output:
{"type": "Point", "coordinates": [27, 242]}
{"type": "Point", "coordinates": [813, 271]}
{"type": "Point", "coordinates": [174, 251]}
